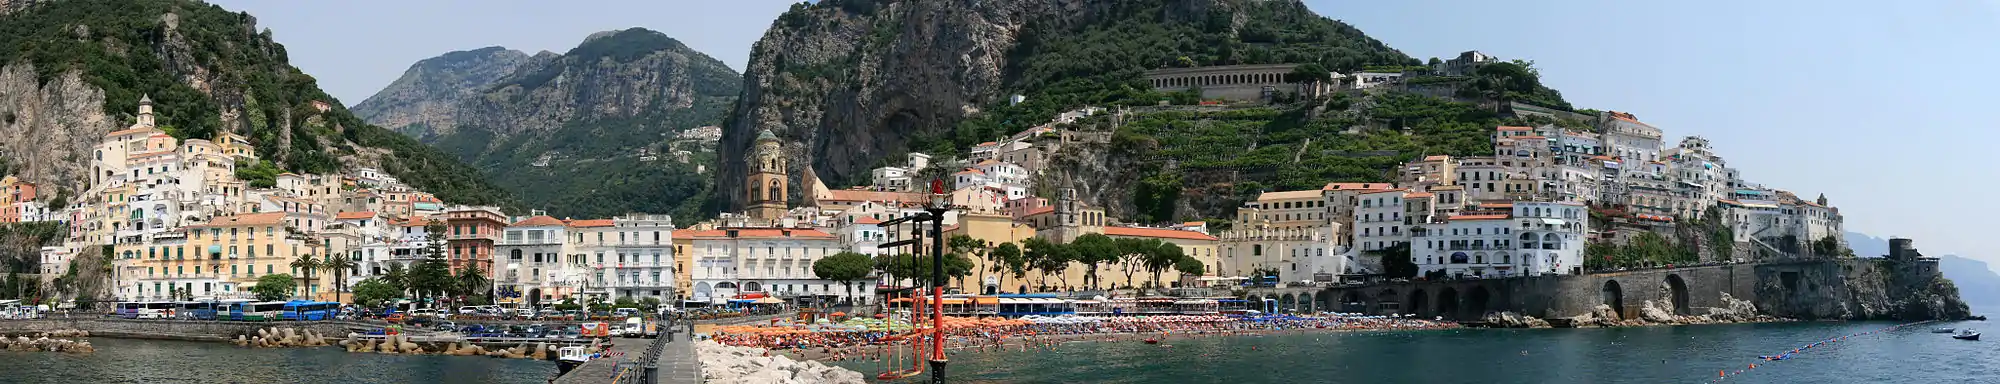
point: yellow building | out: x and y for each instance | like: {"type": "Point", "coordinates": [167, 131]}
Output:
{"type": "Point", "coordinates": [246, 246]}
{"type": "Point", "coordinates": [994, 230]}
{"type": "Point", "coordinates": [1200, 246]}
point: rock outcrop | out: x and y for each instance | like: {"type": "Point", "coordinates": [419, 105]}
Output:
{"type": "Point", "coordinates": [428, 99]}
{"type": "Point", "coordinates": [44, 344]}
{"type": "Point", "coordinates": [722, 364]}
{"type": "Point", "coordinates": [1506, 319]}
{"type": "Point", "coordinates": [1859, 289]}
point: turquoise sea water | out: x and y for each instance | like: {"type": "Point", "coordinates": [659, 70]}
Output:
{"type": "Point", "coordinates": [144, 361]}
{"type": "Point", "coordinates": [1689, 354]}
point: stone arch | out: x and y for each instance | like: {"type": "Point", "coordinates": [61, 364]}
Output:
{"type": "Point", "coordinates": [1674, 290]}
{"type": "Point", "coordinates": [1613, 295]}
{"type": "Point", "coordinates": [1327, 301]}
{"type": "Point", "coordinates": [752, 287]}
{"type": "Point", "coordinates": [703, 290]}
{"type": "Point", "coordinates": [1306, 302]}
{"type": "Point", "coordinates": [1351, 302]}
{"type": "Point", "coordinates": [725, 285]}
{"type": "Point", "coordinates": [1254, 302]}
{"type": "Point", "coordinates": [1448, 304]}
{"type": "Point", "coordinates": [1420, 303]}
{"type": "Point", "coordinates": [534, 296]}
{"type": "Point", "coordinates": [1551, 241]}
{"type": "Point", "coordinates": [1478, 301]}
{"type": "Point", "coordinates": [1286, 303]}
{"type": "Point", "coordinates": [1387, 302]}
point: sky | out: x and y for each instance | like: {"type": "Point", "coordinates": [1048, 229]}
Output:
{"type": "Point", "coordinates": [1870, 104]}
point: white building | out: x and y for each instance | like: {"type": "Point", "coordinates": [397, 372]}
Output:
{"type": "Point", "coordinates": [1629, 139]}
{"type": "Point", "coordinates": [1378, 220]}
{"type": "Point", "coordinates": [532, 260]}
{"type": "Point", "coordinates": [1531, 238]}
{"type": "Point", "coordinates": [774, 261]}
{"type": "Point", "coordinates": [630, 256]}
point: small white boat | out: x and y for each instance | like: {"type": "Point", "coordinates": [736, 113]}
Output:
{"type": "Point", "coordinates": [1966, 334]}
{"type": "Point", "coordinates": [1943, 330]}
{"type": "Point", "coordinates": [568, 358]}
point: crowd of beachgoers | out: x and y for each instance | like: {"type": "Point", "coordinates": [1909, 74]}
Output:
{"type": "Point", "coordinates": [862, 338]}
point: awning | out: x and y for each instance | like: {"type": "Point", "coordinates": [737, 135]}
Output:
{"type": "Point", "coordinates": [1550, 221]}
{"type": "Point", "coordinates": [985, 300]}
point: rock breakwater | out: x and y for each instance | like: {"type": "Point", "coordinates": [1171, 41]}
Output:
{"type": "Point", "coordinates": [722, 364]}
{"type": "Point", "coordinates": [45, 344]}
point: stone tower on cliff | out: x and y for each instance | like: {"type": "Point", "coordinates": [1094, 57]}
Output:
{"type": "Point", "coordinates": [765, 187]}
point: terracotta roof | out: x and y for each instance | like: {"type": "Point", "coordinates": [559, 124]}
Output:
{"type": "Point", "coordinates": [987, 144]}
{"type": "Point", "coordinates": [1478, 217]}
{"type": "Point", "coordinates": [538, 221]}
{"type": "Point", "coordinates": [969, 172]}
{"type": "Point", "coordinates": [876, 196]}
{"type": "Point", "coordinates": [1417, 195]}
{"type": "Point", "coordinates": [1513, 129]}
{"type": "Point", "coordinates": [1602, 157]}
{"type": "Point", "coordinates": [1497, 205]}
{"type": "Point", "coordinates": [1371, 192]}
{"type": "Point", "coordinates": [1039, 210]}
{"type": "Point", "coordinates": [1347, 186]}
{"type": "Point", "coordinates": [1448, 188]}
{"type": "Point", "coordinates": [354, 215]}
{"type": "Point", "coordinates": [414, 222]}
{"type": "Point", "coordinates": [1194, 223]}
{"type": "Point", "coordinates": [988, 162]}
{"type": "Point", "coordinates": [1437, 158]}
{"type": "Point", "coordinates": [591, 223]}
{"type": "Point", "coordinates": [267, 218]}
{"type": "Point", "coordinates": [1288, 195]}
{"type": "Point", "coordinates": [1156, 233]}
{"type": "Point", "coordinates": [151, 155]}
{"type": "Point", "coordinates": [866, 220]}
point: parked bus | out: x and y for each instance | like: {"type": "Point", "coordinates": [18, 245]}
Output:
{"type": "Point", "coordinates": [260, 311]}
{"type": "Point", "coordinates": [198, 310]}
{"type": "Point", "coordinates": [154, 310]}
{"type": "Point", "coordinates": [309, 310]}
{"type": "Point", "coordinates": [126, 309]}
{"type": "Point", "coordinates": [227, 309]}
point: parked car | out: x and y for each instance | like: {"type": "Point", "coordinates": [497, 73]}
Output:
{"type": "Point", "coordinates": [468, 310]}
{"type": "Point", "coordinates": [445, 326]}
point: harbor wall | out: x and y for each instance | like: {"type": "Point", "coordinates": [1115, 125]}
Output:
{"type": "Point", "coordinates": [190, 330]}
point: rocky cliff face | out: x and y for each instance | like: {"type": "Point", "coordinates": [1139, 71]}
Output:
{"type": "Point", "coordinates": [847, 83]}
{"type": "Point", "coordinates": [49, 128]}
{"type": "Point", "coordinates": [74, 70]}
{"type": "Point", "coordinates": [1859, 289]}
{"type": "Point", "coordinates": [583, 133]}
{"type": "Point", "coordinates": [426, 100]}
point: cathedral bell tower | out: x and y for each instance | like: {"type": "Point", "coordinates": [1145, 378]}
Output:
{"type": "Point", "coordinates": [766, 184]}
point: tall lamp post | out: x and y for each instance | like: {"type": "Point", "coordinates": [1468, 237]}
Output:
{"type": "Point", "coordinates": [940, 204]}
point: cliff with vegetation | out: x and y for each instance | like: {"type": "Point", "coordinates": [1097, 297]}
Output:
{"type": "Point", "coordinates": [73, 70]}
{"type": "Point", "coordinates": [1858, 289]}
{"type": "Point", "coordinates": [849, 83]}
{"type": "Point", "coordinates": [589, 132]}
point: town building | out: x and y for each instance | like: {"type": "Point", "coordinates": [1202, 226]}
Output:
{"type": "Point", "coordinates": [774, 261]}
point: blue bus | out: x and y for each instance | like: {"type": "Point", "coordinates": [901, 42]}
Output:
{"type": "Point", "coordinates": [126, 309]}
{"type": "Point", "coordinates": [310, 310]}
{"type": "Point", "coordinates": [198, 310]}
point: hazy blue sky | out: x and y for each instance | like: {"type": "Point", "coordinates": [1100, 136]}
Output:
{"type": "Point", "coordinates": [1876, 106]}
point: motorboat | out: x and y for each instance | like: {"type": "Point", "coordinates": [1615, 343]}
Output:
{"type": "Point", "coordinates": [1943, 330]}
{"type": "Point", "coordinates": [1966, 334]}
{"type": "Point", "coordinates": [568, 358]}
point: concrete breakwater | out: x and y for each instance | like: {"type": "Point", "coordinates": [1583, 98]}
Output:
{"type": "Point", "coordinates": [280, 337]}
{"type": "Point", "coordinates": [404, 344]}
{"type": "Point", "coordinates": [43, 343]}
{"type": "Point", "coordinates": [722, 364]}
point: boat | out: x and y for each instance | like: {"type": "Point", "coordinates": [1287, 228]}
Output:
{"type": "Point", "coordinates": [569, 358]}
{"type": "Point", "coordinates": [1152, 341]}
{"type": "Point", "coordinates": [1966, 334]}
{"type": "Point", "coordinates": [1943, 330]}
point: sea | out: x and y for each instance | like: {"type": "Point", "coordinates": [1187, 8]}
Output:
{"type": "Point", "coordinates": [1682, 354]}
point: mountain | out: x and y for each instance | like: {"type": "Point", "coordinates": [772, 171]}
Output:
{"type": "Point", "coordinates": [73, 70]}
{"type": "Point", "coordinates": [426, 99]}
{"type": "Point", "coordinates": [1977, 283]}
{"type": "Point", "coordinates": [847, 84]}
{"type": "Point", "coordinates": [595, 131]}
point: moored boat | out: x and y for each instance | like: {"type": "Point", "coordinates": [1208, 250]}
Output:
{"type": "Point", "coordinates": [569, 358]}
{"type": "Point", "coordinates": [1966, 334]}
{"type": "Point", "coordinates": [1943, 330]}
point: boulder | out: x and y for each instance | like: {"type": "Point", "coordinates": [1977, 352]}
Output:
{"type": "Point", "coordinates": [1656, 313]}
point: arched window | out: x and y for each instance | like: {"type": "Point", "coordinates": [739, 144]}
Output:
{"type": "Point", "coordinates": [755, 191]}
{"type": "Point", "coordinates": [775, 191]}
{"type": "Point", "coordinates": [1551, 241]}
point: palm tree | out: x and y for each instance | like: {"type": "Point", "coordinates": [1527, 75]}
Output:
{"type": "Point", "coordinates": [397, 277]}
{"type": "Point", "coordinates": [339, 265]}
{"type": "Point", "coordinates": [305, 264]}
{"type": "Point", "coordinates": [472, 281]}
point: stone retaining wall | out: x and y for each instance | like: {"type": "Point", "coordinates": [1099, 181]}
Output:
{"type": "Point", "coordinates": [191, 330]}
